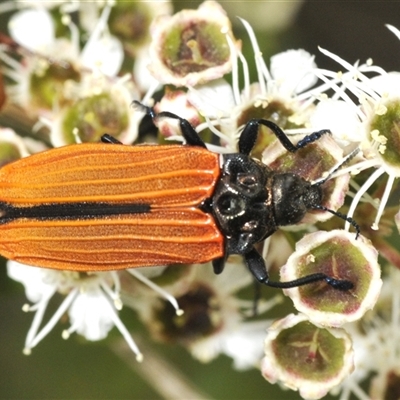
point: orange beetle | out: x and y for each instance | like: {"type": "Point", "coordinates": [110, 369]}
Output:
{"type": "Point", "coordinates": [86, 207]}
{"type": "Point", "coordinates": [106, 206]}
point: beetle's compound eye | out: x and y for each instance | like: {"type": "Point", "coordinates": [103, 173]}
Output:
{"type": "Point", "coordinates": [231, 205]}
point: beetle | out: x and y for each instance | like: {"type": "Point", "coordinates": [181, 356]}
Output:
{"type": "Point", "coordinates": [107, 206]}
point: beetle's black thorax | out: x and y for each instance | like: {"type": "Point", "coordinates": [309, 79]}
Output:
{"type": "Point", "coordinates": [292, 197]}
{"type": "Point", "coordinates": [251, 201]}
{"type": "Point", "coordinates": [241, 202]}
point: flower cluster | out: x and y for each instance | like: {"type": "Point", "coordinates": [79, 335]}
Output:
{"type": "Point", "coordinates": [75, 78]}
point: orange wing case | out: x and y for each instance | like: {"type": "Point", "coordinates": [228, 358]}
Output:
{"type": "Point", "coordinates": [172, 180]}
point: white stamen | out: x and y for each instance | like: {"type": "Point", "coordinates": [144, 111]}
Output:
{"type": "Point", "coordinates": [46, 122]}
{"type": "Point", "coordinates": [361, 395]}
{"type": "Point", "coordinates": [235, 73]}
{"type": "Point", "coordinates": [116, 281]}
{"type": "Point", "coordinates": [383, 201]}
{"type": "Point", "coordinates": [246, 77]}
{"type": "Point", "coordinates": [66, 20]}
{"type": "Point", "coordinates": [114, 295]}
{"type": "Point", "coordinates": [32, 340]}
{"type": "Point", "coordinates": [340, 92]}
{"type": "Point", "coordinates": [75, 132]}
{"type": "Point", "coordinates": [26, 307]}
{"type": "Point", "coordinates": [27, 351]}
{"type": "Point", "coordinates": [366, 198]}
{"type": "Point", "coordinates": [215, 131]}
{"type": "Point", "coordinates": [262, 69]}
{"type": "Point", "coordinates": [367, 184]}
{"type": "Point", "coordinates": [14, 64]}
{"type": "Point", "coordinates": [99, 28]}
{"type": "Point", "coordinates": [393, 30]}
{"type": "Point", "coordinates": [157, 289]}
{"type": "Point", "coordinates": [354, 70]}
{"type": "Point", "coordinates": [125, 334]}
{"type": "Point", "coordinates": [66, 334]}
{"type": "Point", "coordinates": [357, 168]}
{"type": "Point", "coordinates": [38, 317]}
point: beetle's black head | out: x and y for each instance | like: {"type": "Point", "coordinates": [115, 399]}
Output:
{"type": "Point", "coordinates": [292, 197]}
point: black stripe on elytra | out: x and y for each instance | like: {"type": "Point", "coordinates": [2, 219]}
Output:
{"type": "Point", "coordinates": [62, 211]}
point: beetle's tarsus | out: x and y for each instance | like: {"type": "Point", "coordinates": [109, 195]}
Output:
{"type": "Point", "coordinates": [339, 284]}
{"type": "Point", "coordinates": [146, 109]}
{"type": "Point", "coordinates": [107, 138]}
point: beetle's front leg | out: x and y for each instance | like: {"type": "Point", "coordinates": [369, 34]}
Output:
{"type": "Point", "coordinates": [190, 135]}
{"type": "Point", "coordinates": [256, 265]}
{"type": "Point", "coordinates": [106, 138]}
{"type": "Point", "coordinates": [249, 135]}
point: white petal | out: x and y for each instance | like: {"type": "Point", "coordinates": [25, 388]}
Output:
{"type": "Point", "coordinates": [387, 85]}
{"type": "Point", "coordinates": [33, 279]}
{"type": "Point", "coordinates": [214, 99]}
{"type": "Point", "coordinates": [90, 315]}
{"type": "Point", "coordinates": [105, 55]}
{"type": "Point", "coordinates": [340, 118]}
{"type": "Point", "coordinates": [232, 282]}
{"type": "Point", "coordinates": [292, 71]}
{"type": "Point", "coordinates": [142, 75]}
{"type": "Point", "coordinates": [245, 346]}
{"type": "Point", "coordinates": [33, 29]}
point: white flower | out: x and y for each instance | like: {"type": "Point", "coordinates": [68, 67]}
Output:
{"type": "Point", "coordinates": [371, 121]}
{"type": "Point", "coordinates": [277, 94]}
{"type": "Point", "coordinates": [37, 40]}
{"type": "Point", "coordinates": [191, 46]}
{"type": "Point", "coordinates": [376, 341]}
{"type": "Point", "coordinates": [96, 105]}
{"type": "Point", "coordinates": [346, 129]}
{"type": "Point", "coordinates": [306, 357]}
{"type": "Point", "coordinates": [91, 301]}
{"type": "Point", "coordinates": [340, 255]}
{"type": "Point", "coordinates": [292, 71]}
{"type": "Point", "coordinates": [213, 321]}
{"type": "Point", "coordinates": [34, 29]}
{"type": "Point", "coordinates": [42, 79]}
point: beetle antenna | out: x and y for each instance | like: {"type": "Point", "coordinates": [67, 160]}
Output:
{"type": "Point", "coordinates": [346, 160]}
{"type": "Point", "coordinates": [345, 217]}
{"type": "Point", "coordinates": [320, 182]}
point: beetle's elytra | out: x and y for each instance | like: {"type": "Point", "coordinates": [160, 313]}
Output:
{"type": "Point", "coordinates": [106, 206]}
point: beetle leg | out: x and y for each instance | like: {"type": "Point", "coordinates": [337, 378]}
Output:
{"type": "Point", "coordinates": [188, 132]}
{"type": "Point", "coordinates": [218, 265]}
{"type": "Point", "coordinates": [106, 138]}
{"type": "Point", "coordinates": [312, 137]}
{"type": "Point", "coordinates": [249, 135]}
{"type": "Point", "coordinates": [257, 267]}
{"type": "Point", "coordinates": [190, 135]}
{"type": "Point", "coordinates": [141, 107]}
